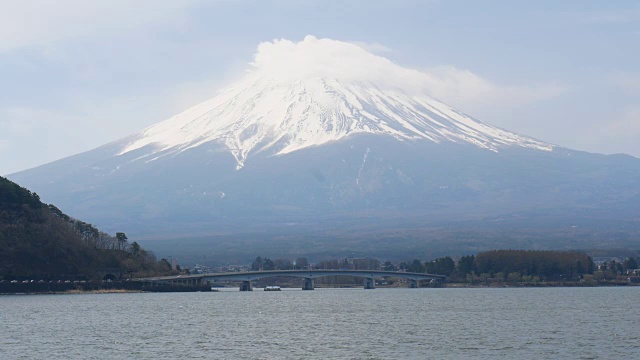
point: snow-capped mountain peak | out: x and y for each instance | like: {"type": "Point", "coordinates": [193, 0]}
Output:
{"type": "Point", "coordinates": [271, 110]}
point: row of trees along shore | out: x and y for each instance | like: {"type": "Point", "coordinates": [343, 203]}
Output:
{"type": "Point", "coordinates": [527, 266]}
{"type": "Point", "coordinates": [497, 266]}
{"type": "Point", "coordinates": [39, 241]}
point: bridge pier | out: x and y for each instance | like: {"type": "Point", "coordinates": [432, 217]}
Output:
{"type": "Point", "coordinates": [369, 283]}
{"type": "Point", "coordinates": [246, 286]}
{"type": "Point", "coordinates": [414, 284]}
{"type": "Point", "coordinates": [307, 284]}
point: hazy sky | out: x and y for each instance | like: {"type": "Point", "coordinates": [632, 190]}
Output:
{"type": "Point", "coordinates": [77, 74]}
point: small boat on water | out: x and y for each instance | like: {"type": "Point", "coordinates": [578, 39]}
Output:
{"type": "Point", "coordinates": [272, 288]}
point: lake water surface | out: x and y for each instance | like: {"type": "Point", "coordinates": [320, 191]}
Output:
{"type": "Point", "coordinates": [541, 323]}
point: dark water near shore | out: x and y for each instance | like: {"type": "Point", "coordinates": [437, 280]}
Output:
{"type": "Point", "coordinates": [544, 323]}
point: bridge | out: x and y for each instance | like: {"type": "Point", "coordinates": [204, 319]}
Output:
{"type": "Point", "coordinates": [247, 278]}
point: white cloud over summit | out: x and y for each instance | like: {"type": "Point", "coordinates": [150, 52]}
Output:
{"type": "Point", "coordinates": [286, 60]}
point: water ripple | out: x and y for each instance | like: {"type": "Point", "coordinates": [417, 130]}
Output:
{"type": "Point", "coordinates": [568, 323]}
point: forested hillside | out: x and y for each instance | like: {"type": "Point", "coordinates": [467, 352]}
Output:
{"type": "Point", "coordinates": [39, 240]}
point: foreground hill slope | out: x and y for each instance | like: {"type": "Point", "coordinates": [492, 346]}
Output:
{"type": "Point", "coordinates": [38, 240]}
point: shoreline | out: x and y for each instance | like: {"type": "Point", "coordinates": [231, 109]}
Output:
{"type": "Point", "coordinates": [445, 286]}
{"type": "Point", "coordinates": [95, 292]}
{"type": "Point", "coordinates": [101, 291]}
{"type": "Point", "coordinates": [78, 292]}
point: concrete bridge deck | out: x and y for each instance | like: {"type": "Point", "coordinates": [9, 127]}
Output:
{"type": "Point", "coordinates": [308, 275]}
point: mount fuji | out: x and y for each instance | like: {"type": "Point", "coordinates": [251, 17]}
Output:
{"type": "Point", "coordinates": [310, 153]}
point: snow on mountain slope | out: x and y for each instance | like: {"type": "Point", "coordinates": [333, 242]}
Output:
{"type": "Point", "coordinates": [310, 93]}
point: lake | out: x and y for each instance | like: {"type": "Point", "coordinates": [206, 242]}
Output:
{"type": "Point", "coordinates": [510, 323]}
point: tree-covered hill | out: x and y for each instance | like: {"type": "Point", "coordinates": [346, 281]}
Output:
{"type": "Point", "coordinates": [39, 240]}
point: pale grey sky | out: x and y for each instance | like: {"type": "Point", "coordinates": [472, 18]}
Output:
{"type": "Point", "coordinates": [77, 74]}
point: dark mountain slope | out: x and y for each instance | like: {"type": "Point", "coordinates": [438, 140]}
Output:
{"type": "Point", "coordinates": [38, 240]}
{"type": "Point", "coordinates": [411, 194]}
